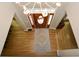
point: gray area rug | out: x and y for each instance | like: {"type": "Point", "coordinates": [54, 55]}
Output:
{"type": "Point", "coordinates": [41, 40]}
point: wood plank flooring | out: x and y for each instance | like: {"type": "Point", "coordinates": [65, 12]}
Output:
{"type": "Point", "coordinates": [66, 39]}
{"type": "Point", "coordinates": [20, 43]}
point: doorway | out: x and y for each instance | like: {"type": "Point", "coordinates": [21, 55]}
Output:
{"type": "Point", "coordinates": [39, 21]}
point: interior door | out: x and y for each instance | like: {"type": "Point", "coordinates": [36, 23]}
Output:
{"type": "Point", "coordinates": [35, 20]}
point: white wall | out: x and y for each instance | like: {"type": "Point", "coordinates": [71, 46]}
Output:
{"type": "Point", "coordinates": [58, 15]}
{"type": "Point", "coordinates": [73, 15]}
{"type": "Point", "coordinates": [21, 18]}
{"type": "Point", "coordinates": [6, 16]}
{"type": "Point", "coordinates": [7, 12]}
{"type": "Point", "coordinates": [72, 10]}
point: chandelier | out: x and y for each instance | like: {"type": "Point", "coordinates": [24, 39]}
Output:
{"type": "Point", "coordinates": [47, 8]}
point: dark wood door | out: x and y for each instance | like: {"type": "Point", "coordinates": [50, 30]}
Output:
{"type": "Point", "coordinates": [36, 24]}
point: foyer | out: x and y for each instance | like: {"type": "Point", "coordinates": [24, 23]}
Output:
{"type": "Point", "coordinates": [39, 29]}
{"type": "Point", "coordinates": [21, 43]}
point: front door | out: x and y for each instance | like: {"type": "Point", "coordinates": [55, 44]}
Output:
{"type": "Point", "coordinates": [38, 21]}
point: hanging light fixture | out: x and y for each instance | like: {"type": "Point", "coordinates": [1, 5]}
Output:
{"type": "Point", "coordinates": [44, 11]}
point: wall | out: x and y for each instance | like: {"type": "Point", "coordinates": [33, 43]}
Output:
{"type": "Point", "coordinates": [21, 18]}
{"type": "Point", "coordinates": [73, 15]}
{"type": "Point", "coordinates": [72, 10]}
{"type": "Point", "coordinates": [6, 16]}
{"type": "Point", "coordinates": [58, 15]}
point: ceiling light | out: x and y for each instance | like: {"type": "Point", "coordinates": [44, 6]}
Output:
{"type": "Point", "coordinates": [58, 4]}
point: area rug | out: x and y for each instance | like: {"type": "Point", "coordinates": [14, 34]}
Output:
{"type": "Point", "coordinates": [41, 40]}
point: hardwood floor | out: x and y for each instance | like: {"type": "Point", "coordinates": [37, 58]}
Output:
{"type": "Point", "coordinates": [66, 39]}
{"type": "Point", "coordinates": [20, 43]}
